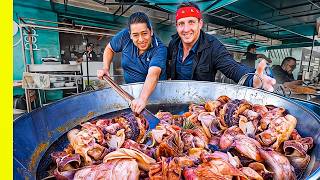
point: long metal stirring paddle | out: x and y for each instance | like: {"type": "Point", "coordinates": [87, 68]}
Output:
{"type": "Point", "coordinates": [151, 118]}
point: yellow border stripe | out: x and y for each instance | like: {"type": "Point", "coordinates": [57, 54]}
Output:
{"type": "Point", "coordinates": [6, 91]}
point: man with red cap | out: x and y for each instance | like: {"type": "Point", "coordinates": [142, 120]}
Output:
{"type": "Point", "coordinates": [196, 55]}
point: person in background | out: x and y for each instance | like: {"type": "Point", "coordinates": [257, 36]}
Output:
{"type": "Point", "coordinates": [89, 53]}
{"type": "Point", "coordinates": [251, 56]}
{"type": "Point", "coordinates": [100, 55]}
{"type": "Point", "coordinates": [283, 73]}
{"type": "Point", "coordinates": [196, 55]}
{"type": "Point", "coordinates": [143, 57]}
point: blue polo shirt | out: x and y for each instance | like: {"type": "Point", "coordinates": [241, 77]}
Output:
{"type": "Point", "coordinates": [135, 66]}
{"type": "Point", "coordinates": [184, 69]}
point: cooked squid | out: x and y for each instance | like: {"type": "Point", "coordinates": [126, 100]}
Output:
{"type": "Point", "coordinates": [220, 139]}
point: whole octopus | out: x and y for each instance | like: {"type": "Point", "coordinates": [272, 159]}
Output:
{"type": "Point", "coordinates": [220, 139]}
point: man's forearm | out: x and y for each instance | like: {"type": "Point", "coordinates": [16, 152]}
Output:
{"type": "Point", "coordinates": [107, 57]}
{"type": "Point", "coordinates": [149, 85]}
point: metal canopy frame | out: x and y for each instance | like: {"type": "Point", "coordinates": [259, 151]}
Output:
{"type": "Point", "coordinates": [290, 21]}
{"type": "Point", "coordinates": [280, 20]}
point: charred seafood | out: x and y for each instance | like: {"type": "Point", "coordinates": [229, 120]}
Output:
{"type": "Point", "coordinates": [221, 139]}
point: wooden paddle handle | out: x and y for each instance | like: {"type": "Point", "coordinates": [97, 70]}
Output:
{"type": "Point", "coordinates": [118, 89]}
{"type": "Point", "coordinates": [152, 120]}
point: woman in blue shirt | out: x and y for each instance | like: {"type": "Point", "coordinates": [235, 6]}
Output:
{"type": "Point", "coordinates": [143, 57]}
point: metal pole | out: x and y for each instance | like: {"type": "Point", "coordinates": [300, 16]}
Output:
{"type": "Point", "coordinates": [30, 47]}
{"type": "Point", "coordinates": [46, 21]}
{"type": "Point", "coordinates": [125, 10]}
{"type": "Point", "coordinates": [87, 59]}
{"type": "Point", "coordinates": [316, 5]}
{"type": "Point", "coordinates": [26, 91]}
{"type": "Point", "coordinates": [23, 49]}
{"type": "Point", "coordinates": [68, 24]}
{"type": "Point", "coordinates": [313, 40]}
{"type": "Point", "coordinates": [66, 29]}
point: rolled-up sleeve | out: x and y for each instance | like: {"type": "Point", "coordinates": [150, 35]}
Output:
{"type": "Point", "coordinates": [159, 59]}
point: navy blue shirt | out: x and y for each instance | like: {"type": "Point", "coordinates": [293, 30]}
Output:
{"type": "Point", "coordinates": [135, 66]}
{"type": "Point", "coordinates": [184, 69]}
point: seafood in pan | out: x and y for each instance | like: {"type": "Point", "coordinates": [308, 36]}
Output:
{"type": "Point", "coordinates": [221, 139]}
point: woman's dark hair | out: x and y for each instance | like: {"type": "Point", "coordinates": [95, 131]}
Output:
{"type": "Point", "coordinates": [188, 4]}
{"type": "Point", "coordinates": [139, 17]}
{"type": "Point", "coordinates": [287, 59]}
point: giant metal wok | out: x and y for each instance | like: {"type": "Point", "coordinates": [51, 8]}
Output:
{"type": "Point", "coordinates": [38, 133]}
